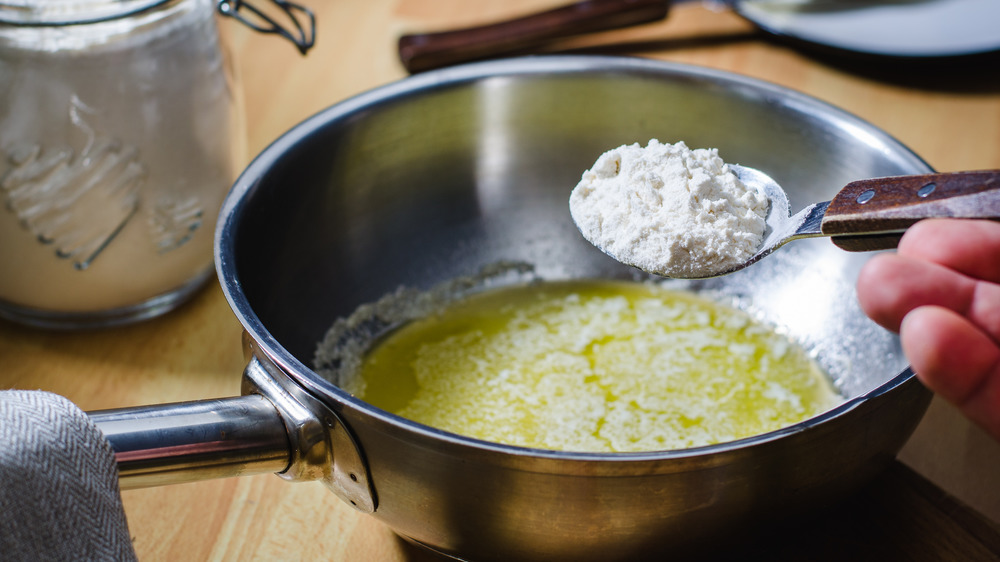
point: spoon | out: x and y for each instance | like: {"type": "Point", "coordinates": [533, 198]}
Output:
{"type": "Point", "coordinates": [871, 214]}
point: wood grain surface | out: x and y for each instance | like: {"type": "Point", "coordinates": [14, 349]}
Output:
{"type": "Point", "coordinates": [950, 115]}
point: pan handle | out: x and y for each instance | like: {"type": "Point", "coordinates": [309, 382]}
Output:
{"type": "Point", "coordinates": [276, 426]}
{"type": "Point", "coordinates": [189, 441]}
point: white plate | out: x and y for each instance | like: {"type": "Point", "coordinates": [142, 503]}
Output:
{"type": "Point", "coordinates": [900, 28]}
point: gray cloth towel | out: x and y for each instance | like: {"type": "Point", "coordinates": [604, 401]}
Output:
{"type": "Point", "coordinates": [59, 494]}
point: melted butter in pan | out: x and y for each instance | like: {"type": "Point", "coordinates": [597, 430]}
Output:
{"type": "Point", "coordinates": [599, 366]}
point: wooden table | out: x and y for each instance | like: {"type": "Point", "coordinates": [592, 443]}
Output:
{"type": "Point", "coordinates": [195, 352]}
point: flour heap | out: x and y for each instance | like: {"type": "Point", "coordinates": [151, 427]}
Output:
{"type": "Point", "coordinates": [669, 210]}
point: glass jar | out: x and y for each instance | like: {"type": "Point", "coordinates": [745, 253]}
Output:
{"type": "Point", "coordinates": [121, 130]}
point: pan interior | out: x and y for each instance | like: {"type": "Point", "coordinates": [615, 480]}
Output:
{"type": "Point", "coordinates": [433, 179]}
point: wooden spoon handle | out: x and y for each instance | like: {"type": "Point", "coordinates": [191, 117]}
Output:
{"type": "Point", "coordinates": [872, 214]}
{"type": "Point", "coordinates": [419, 52]}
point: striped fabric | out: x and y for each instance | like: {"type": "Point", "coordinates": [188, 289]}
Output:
{"type": "Point", "coordinates": [59, 495]}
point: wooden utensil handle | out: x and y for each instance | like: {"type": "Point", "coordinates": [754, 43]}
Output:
{"type": "Point", "coordinates": [872, 214]}
{"type": "Point", "coordinates": [419, 52]}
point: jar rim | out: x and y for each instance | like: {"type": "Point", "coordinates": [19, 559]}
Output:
{"type": "Point", "coordinates": [70, 12]}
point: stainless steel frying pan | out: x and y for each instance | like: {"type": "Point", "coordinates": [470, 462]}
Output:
{"type": "Point", "coordinates": [431, 178]}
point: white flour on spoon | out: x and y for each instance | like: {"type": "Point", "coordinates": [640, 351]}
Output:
{"type": "Point", "coordinates": [669, 210]}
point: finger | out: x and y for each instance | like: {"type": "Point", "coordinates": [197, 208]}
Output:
{"type": "Point", "coordinates": [952, 357]}
{"type": "Point", "coordinates": [971, 247]}
{"type": "Point", "coordinates": [889, 286]}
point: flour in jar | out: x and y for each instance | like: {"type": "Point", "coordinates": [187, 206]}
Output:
{"type": "Point", "coordinates": [667, 209]}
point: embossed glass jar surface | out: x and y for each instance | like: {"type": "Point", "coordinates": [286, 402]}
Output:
{"type": "Point", "coordinates": [121, 130]}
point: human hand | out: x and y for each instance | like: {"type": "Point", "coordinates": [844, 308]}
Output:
{"type": "Point", "coordinates": [941, 292]}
